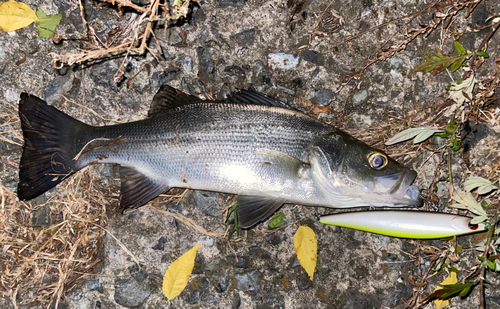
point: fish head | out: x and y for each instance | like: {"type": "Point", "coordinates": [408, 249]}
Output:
{"type": "Point", "coordinates": [352, 174]}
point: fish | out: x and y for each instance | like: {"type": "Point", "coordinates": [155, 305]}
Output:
{"type": "Point", "coordinates": [406, 224]}
{"type": "Point", "coordinates": [251, 145]}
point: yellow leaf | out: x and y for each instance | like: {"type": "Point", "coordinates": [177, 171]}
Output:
{"type": "Point", "coordinates": [451, 279]}
{"type": "Point", "coordinates": [177, 275]}
{"type": "Point", "coordinates": [15, 15]}
{"type": "Point", "coordinates": [306, 247]}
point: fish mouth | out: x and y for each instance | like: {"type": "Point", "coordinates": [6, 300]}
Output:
{"type": "Point", "coordinates": [402, 190]}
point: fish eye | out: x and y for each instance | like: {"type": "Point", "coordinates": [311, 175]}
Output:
{"type": "Point", "coordinates": [473, 226]}
{"type": "Point", "coordinates": [377, 160]}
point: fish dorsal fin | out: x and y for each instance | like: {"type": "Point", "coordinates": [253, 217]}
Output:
{"type": "Point", "coordinates": [137, 189]}
{"type": "Point", "coordinates": [168, 97]}
{"type": "Point", "coordinates": [250, 96]}
{"type": "Point", "coordinates": [252, 209]}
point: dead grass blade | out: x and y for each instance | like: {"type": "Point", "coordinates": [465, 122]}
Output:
{"type": "Point", "coordinates": [188, 221]}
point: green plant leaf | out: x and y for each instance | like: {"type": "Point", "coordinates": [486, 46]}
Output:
{"type": "Point", "coordinates": [440, 62]}
{"type": "Point", "coordinates": [478, 219]}
{"type": "Point", "coordinates": [455, 144]}
{"type": "Point", "coordinates": [46, 24]}
{"type": "Point", "coordinates": [277, 220]}
{"type": "Point", "coordinates": [457, 64]}
{"type": "Point", "coordinates": [483, 185]}
{"type": "Point", "coordinates": [450, 290]}
{"type": "Point", "coordinates": [459, 49]}
{"type": "Point", "coordinates": [420, 134]}
{"type": "Point", "coordinates": [483, 54]}
{"type": "Point", "coordinates": [467, 201]}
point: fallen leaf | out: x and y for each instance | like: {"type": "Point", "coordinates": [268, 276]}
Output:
{"type": "Point", "coordinates": [15, 15]}
{"type": "Point", "coordinates": [305, 103]}
{"type": "Point", "coordinates": [46, 24]}
{"type": "Point", "coordinates": [177, 275]}
{"type": "Point", "coordinates": [461, 92]}
{"type": "Point", "coordinates": [321, 109]}
{"type": "Point", "coordinates": [451, 279]}
{"type": "Point", "coordinates": [306, 247]}
{"type": "Point", "coordinates": [85, 238]}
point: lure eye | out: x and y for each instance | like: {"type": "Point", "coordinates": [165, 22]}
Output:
{"type": "Point", "coordinates": [473, 226]}
{"type": "Point", "coordinates": [377, 160]}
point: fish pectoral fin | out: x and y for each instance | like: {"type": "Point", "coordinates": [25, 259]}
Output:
{"type": "Point", "coordinates": [282, 163]}
{"type": "Point", "coordinates": [252, 209]}
{"type": "Point", "coordinates": [168, 98]}
{"type": "Point", "coordinates": [137, 189]}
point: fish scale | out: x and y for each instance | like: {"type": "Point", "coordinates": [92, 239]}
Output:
{"type": "Point", "coordinates": [194, 139]}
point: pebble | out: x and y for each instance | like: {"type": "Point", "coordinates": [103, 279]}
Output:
{"type": "Point", "coordinates": [161, 78]}
{"type": "Point", "coordinates": [129, 293]}
{"type": "Point", "coordinates": [303, 281]}
{"type": "Point", "coordinates": [322, 96]}
{"type": "Point", "coordinates": [196, 289]}
{"type": "Point", "coordinates": [359, 97]}
{"type": "Point", "coordinates": [232, 2]}
{"type": "Point", "coordinates": [160, 245]}
{"type": "Point", "coordinates": [238, 261]}
{"type": "Point", "coordinates": [187, 64]}
{"type": "Point", "coordinates": [103, 75]}
{"type": "Point", "coordinates": [206, 67]}
{"type": "Point", "coordinates": [245, 37]}
{"type": "Point", "coordinates": [58, 85]}
{"type": "Point", "coordinates": [313, 57]}
{"type": "Point", "coordinates": [258, 252]}
{"type": "Point", "coordinates": [248, 281]}
{"type": "Point", "coordinates": [234, 70]}
{"type": "Point", "coordinates": [282, 62]}
{"type": "Point", "coordinates": [93, 285]}
{"type": "Point", "coordinates": [206, 202]}
{"type": "Point", "coordinates": [272, 300]}
{"type": "Point", "coordinates": [138, 275]}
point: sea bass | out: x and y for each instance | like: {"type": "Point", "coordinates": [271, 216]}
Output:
{"type": "Point", "coordinates": [256, 147]}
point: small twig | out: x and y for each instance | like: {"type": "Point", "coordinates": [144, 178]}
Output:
{"type": "Point", "coordinates": [112, 142]}
{"type": "Point", "coordinates": [380, 26]}
{"type": "Point", "coordinates": [119, 243]}
{"type": "Point", "coordinates": [82, 14]}
{"type": "Point", "coordinates": [494, 28]}
{"type": "Point", "coordinates": [323, 13]}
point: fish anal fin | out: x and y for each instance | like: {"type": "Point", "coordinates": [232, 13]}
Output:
{"type": "Point", "coordinates": [252, 209]}
{"type": "Point", "coordinates": [137, 189]}
{"type": "Point", "coordinates": [168, 98]}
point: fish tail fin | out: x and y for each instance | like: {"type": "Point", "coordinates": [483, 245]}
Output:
{"type": "Point", "coordinates": [49, 146]}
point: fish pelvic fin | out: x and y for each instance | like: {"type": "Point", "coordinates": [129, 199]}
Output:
{"type": "Point", "coordinates": [252, 209]}
{"type": "Point", "coordinates": [49, 146]}
{"type": "Point", "coordinates": [137, 189]}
